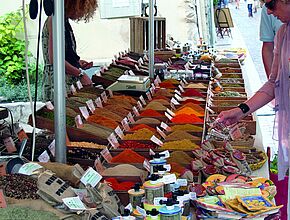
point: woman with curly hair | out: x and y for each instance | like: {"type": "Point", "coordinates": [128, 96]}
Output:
{"type": "Point", "coordinates": [75, 10]}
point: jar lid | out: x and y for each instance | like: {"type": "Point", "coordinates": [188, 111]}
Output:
{"type": "Point", "coordinates": [157, 162]}
{"type": "Point", "coordinates": [136, 192]}
{"type": "Point", "coordinates": [149, 184]}
{"type": "Point", "coordinates": [165, 211]}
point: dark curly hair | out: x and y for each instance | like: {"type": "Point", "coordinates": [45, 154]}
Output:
{"type": "Point", "coordinates": [84, 9]}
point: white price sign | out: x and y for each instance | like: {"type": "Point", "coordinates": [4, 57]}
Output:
{"type": "Point", "coordinates": [125, 124]}
{"type": "Point", "coordinates": [146, 165]}
{"type": "Point", "coordinates": [149, 96]}
{"type": "Point", "coordinates": [136, 112]}
{"type": "Point", "coordinates": [104, 97]}
{"type": "Point", "coordinates": [139, 105]}
{"type": "Point", "coordinates": [156, 140]}
{"type": "Point", "coordinates": [99, 166]}
{"type": "Point", "coordinates": [162, 134]}
{"type": "Point", "coordinates": [85, 112]}
{"type": "Point", "coordinates": [91, 177]}
{"type": "Point", "coordinates": [156, 83]}
{"type": "Point", "coordinates": [49, 105]}
{"type": "Point", "coordinates": [165, 126]}
{"type": "Point", "coordinates": [158, 79]}
{"type": "Point", "coordinates": [153, 86]}
{"type": "Point", "coordinates": [167, 179]}
{"type": "Point", "coordinates": [106, 155]}
{"type": "Point", "coordinates": [180, 88]}
{"type": "Point", "coordinates": [170, 112]}
{"type": "Point", "coordinates": [79, 121]}
{"type": "Point", "coordinates": [168, 116]}
{"type": "Point", "coordinates": [74, 203]}
{"type": "Point", "coordinates": [98, 102]}
{"type": "Point", "coordinates": [177, 92]}
{"type": "Point", "coordinates": [44, 157]}
{"type": "Point", "coordinates": [73, 89]}
{"type": "Point", "coordinates": [119, 132]}
{"type": "Point", "coordinates": [131, 73]}
{"type": "Point", "coordinates": [113, 140]}
{"type": "Point", "coordinates": [79, 85]}
{"type": "Point", "coordinates": [152, 90]}
{"type": "Point", "coordinates": [142, 100]}
{"type": "Point", "coordinates": [130, 117]}
{"type": "Point", "coordinates": [91, 105]}
{"type": "Point", "coordinates": [174, 101]}
{"type": "Point", "coordinates": [29, 168]}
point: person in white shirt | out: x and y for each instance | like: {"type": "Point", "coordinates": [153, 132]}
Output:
{"type": "Point", "coordinates": [250, 7]}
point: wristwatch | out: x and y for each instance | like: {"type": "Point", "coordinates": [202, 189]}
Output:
{"type": "Point", "coordinates": [244, 107]}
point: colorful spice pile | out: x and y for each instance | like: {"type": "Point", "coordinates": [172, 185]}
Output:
{"type": "Point", "coordinates": [180, 135]}
{"type": "Point", "coordinates": [179, 145]}
{"type": "Point", "coordinates": [162, 101]}
{"type": "Point", "coordinates": [150, 112]}
{"type": "Point", "coordinates": [86, 145]}
{"type": "Point", "coordinates": [192, 92]}
{"type": "Point", "coordinates": [109, 114]}
{"type": "Point", "coordinates": [164, 92]}
{"type": "Point", "coordinates": [50, 115]}
{"type": "Point", "coordinates": [173, 81]}
{"type": "Point", "coordinates": [191, 101]}
{"type": "Point", "coordinates": [119, 186]}
{"type": "Point", "coordinates": [196, 86]}
{"type": "Point", "coordinates": [167, 85]}
{"type": "Point", "coordinates": [142, 134]}
{"type": "Point", "coordinates": [97, 130]}
{"type": "Point", "coordinates": [193, 106]}
{"type": "Point", "coordinates": [183, 119]}
{"type": "Point", "coordinates": [136, 145]}
{"type": "Point", "coordinates": [155, 105]}
{"type": "Point", "coordinates": [117, 109]}
{"type": "Point", "coordinates": [141, 126]}
{"type": "Point", "coordinates": [104, 121]}
{"type": "Point", "coordinates": [160, 97]}
{"type": "Point", "coordinates": [180, 157]}
{"type": "Point", "coordinates": [124, 170]}
{"type": "Point", "coordinates": [186, 127]}
{"type": "Point", "coordinates": [189, 111]}
{"type": "Point", "coordinates": [147, 121]}
{"type": "Point", "coordinates": [128, 156]}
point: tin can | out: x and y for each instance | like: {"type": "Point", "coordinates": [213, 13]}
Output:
{"type": "Point", "coordinates": [135, 197]}
{"type": "Point", "coordinates": [170, 213]}
{"type": "Point", "coordinates": [153, 189]}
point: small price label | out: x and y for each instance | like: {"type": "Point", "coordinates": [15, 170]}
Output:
{"type": "Point", "coordinates": [210, 110]}
{"type": "Point", "coordinates": [106, 67]}
{"type": "Point", "coordinates": [49, 105]}
{"type": "Point", "coordinates": [91, 177]}
{"type": "Point", "coordinates": [161, 132]}
{"type": "Point", "coordinates": [170, 112]}
{"type": "Point", "coordinates": [182, 84]}
{"type": "Point", "coordinates": [186, 66]}
{"type": "Point", "coordinates": [119, 132]}
{"type": "Point", "coordinates": [140, 106]}
{"type": "Point", "coordinates": [142, 100]}
{"type": "Point", "coordinates": [106, 155]}
{"type": "Point", "coordinates": [91, 105]}
{"type": "Point", "coordinates": [136, 112]}
{"type": "Point", "coordinates": [210, 93]}
{"type": "Point", "coordinates": [148, 94]}
{"type": "Point", "coordinates": [129, 207]}
{"type": "Point", "coordinates": [130, 117]}
{"type": "Point", "coordinates": [113, 141]}
{"type": "Point", "coordinates": [166, 154]}
{"type": "Point", "coordinates": [174, 101]}
{"type": "Point", "coordinates": [168, 116]}
{"type": "Point", "coordinates": [151, 152]}
{"type": "Point", "coordinates": [165, 126]}
{"type": "Point", "coordinates": [141, 60]}
{"type": "Point", "coordinates": [29, 168]}
{"type": "Point", "coordinates": [184, 80]}
{"type": "Point", "coordinates": [158, 199]}
{"type": "Point", "coordinates": [79, 85]}
{"type": "Point", "coordinates": [79, 121]}
{"type": "Point", "coordinates": [131, 73]}
{"type": "Point", "coordinates": [180, 88]}
{"type": "Point", "coordinates": [98, 73]}
{"type": "Point", "coordinates": [104, 97]}
{"type": "Point", "coordinates": [141, 211]}
{"type": "Point", "coordinates": [137, 67]}
{"type": "Point", "coordinates": [44, 157]}
{"type": "Point", "coordinates": [98, 102]}
{"type": "Point", "coordinates": [74, 203]}
{"type": "Point", "coordinates": [172, 106]}
{"type": "Point", "coordinates": [167, 179]}
{"type": "Point", "coordinates": [152, 90]}
{"type": "Point", "coordinates": [111, 94]}
{"type": "Point", "coordinates": [153, 86]}
{"type": "Point", "coordinates": [178, 97]}
{"type": "Point", "coordinates": [192, 195]}
{"type": "Point", "coordinates": [99, 166]}
{"type": "Point", "coordinates": [167, 167]}
{"type": "Point", "coordinates": [182, 182]}
{"type": "Point", "coordinates": [102, 69]}
{"type": "Point", "coordinates": [73, 89]}
{"type": "Point", "coordinates": [158, 79]}
{"type": "Point", "coordinates": [146, 165]}
{"type": "Point", "coordinates": [51, 148]}
{"type": "Point", "coordinates": [177, 92]}
{"type": "Point", "coordinates": [156, 140]}
{"type": "Point", "coordinates": [85, 112]}
{"type": "Point", "coordinates": [235, 133]}
{"type": "Point", "coordinates": [125, 124]}
{"type": "Point", "coordinates": [10, 145]}
{"type": "Point", "coordinates": [156, 83]}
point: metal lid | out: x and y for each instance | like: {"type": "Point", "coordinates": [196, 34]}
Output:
{"type": "Point", "coordinates": [170, 211]}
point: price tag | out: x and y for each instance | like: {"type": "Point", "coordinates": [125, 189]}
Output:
{"type": "Point", "coordinates": [156, 140]}
{"type": "Point", "coordinates": [116, 57]}
{"type": "Point", "coordinates": [174, 101]}
{"type": "Point", "coordinates": [99, 166]}
{"type": "Point", "coordinates": [167, 179]}
{"type": "Point", "coordinates": [10, 145]}
{"type": "Point", "coordinates": [104, 97]}
{"type": "Point", "coordinates": [153, 86]}
{"type": "Point", "coordinates": [99, 103]}
{"type": "Point", "coordinates": [139, 105]}
{"type": "Point", "coordinates": [29, 168]}
{"type": "Point", "coordinates": [106, 155]}
{"type": "Point", "coordinates": [102, 69]}
{"type": "Point", "coordinates": [106, 67]}
{"type": "Point", "coordinates": [114, 62]}
{"type": "Point", "coordinates": [111, 94]}
{"type": "Point", "coordinates": [182, 84]}
{"type": "Point", "coordinates": [149, 96]}
{"type": "Point", "coordinates": [79, 85]}
{"type": "Point", "coordinates": [165, 126]}
{"type": "Point", "coordinates": [178, 97]}
{"type": "Point", "coordinates": [49, 105]}
{"type": "Point", "coordinates": [177, 92]}
{"type": "Point", "coordinates": [161, 132]}
{"type": "Point", "coordinates": [130, 117]}
{"type": "Point", "coordinates": [125, 124]}
{"type": "Point", "coordinates": [152, 90]}
{"type": "Point", "coordinates": [129, 207]}
{"type": "Point", "coordinates": [158, 79]}
{"type": "Point", "coordinates": [167, 167]}
{"type": "Point", "coordinates": [79, 121]}
{"type": "Point", "coordinates": [119, 132]}
{"type": "Point", "coordinates": [156, 83]}
{"type": "Point", "coordinates": [44, 157]}
{"type": "Point", "coordinates": [74, 203]}
{"type": "Point", "coordinates": [169, 61]}
{"type": "Point", "coordinates": [186, 66]}
{"type": "Point", "coordinates": [145, 57]}
{"type": "Point", "coordinates": [192, 195]}
{"type": "Point", "coordinates": [51, 148]}
{"type": "Point", "coordinates": [91, 177]}
{"type": "Point", "coordinates": [158, 199]}
{"type": "Point", "coordinates": [170, 112]}
{"type": "Point", "coordinates": [210, 110]}
{"type": "Point", "coordinates": [142, 100]}
{"type": "Point", "coordinates": [166, 154]}
{"type": "Point", "coordinates": [113, 141]}
{"type": "Point", "coordinates": [184, 80]}
{"type": "Point", "coordinates": [131, 73]}
{"type": "Point", "coordinates": [146, 165]}
{"type": "Point", "coordinates": [136, 112]}
{"type": "Point", "coordinates": [141, 211]}
{"type": "Point", "coordinates": [73, 89]}
{"type": "Point", "coordinates": [91, 105]}
{"type": "Point", "coordinates": [84, 112]}
{"type": "Point", "coordinates": [209, 102]}
{"type": "Point", "coordinates": [180, 88]}
{"type": "Point", "coordinates": [182, 182]}
{"type": "Point", "coordinates": [137, 67]}
{"type": "Point", "coordinates": [141, 60]}
{"type": "Point", "coordinates": [168, 116]}
{"type": "Point", "coordinates": [98, 73]}
{"type": "Point", "coordinates": [22, 135]}
{"type": "Point", "coordinates": [3, 203]}
{"type": "Point", "coordinates": [235, 133]}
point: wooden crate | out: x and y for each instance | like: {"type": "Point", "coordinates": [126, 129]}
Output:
{"type": "Point", "coordinates": [139, 33]}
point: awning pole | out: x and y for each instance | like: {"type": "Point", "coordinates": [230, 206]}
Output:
{"type": "Point", "coordinates": [151, 39]}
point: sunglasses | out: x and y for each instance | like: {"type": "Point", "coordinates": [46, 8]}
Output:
{"type": "Point", "coordinates": [271, 5]}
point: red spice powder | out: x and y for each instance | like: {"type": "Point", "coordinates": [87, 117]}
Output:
{"type": "Point", "coordinates": [141, 126]}
{"type": "Point", "coordinates": [104, 121]}
{"type": "Point", "coordinates": [150, 112]}
{"type": "Point", "coordinates": [192, 92]}
{"type": "Point", "coordinates": [160, 97]}
{"type": "Point", "coordinates": [191, 101]}
{"type": "Point", "coordinates": [183, 118]}
{"type": "Point", "coordinates": [136, 145]}
{"type": "Point", "coordinates": [123, 186]}
{"type": "Point", "coordinates": [167, 85]}
{"type": "Point", "coordinates": [128, 156]}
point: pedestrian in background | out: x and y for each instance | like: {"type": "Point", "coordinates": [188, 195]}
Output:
{"type": "Point", "coordinates": [237, 4]}
{"type": "Point", "coordinates": [250, 7]}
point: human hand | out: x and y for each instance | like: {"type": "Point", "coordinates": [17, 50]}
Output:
{"type": "Point", "coordinates": [85, 80]}
{"type": "Point", "coordinates": [231, 116]}
{"type": "Point", "coordinates": [85, 65]}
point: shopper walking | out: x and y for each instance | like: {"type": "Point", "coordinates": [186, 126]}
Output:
{"type": "Point", "coordinates": [250, 7]}
{"type": "Point", "coordinates": [237, 4]}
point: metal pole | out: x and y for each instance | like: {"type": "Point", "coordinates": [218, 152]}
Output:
{"type": "Point", "coordinates": [59, 81]}
{"type": "Point", "coordinates": [211, 25]}
{"type": "Point", "coordinates": [151, 39]}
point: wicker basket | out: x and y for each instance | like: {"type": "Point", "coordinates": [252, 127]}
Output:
{"type": "Point", "coordinates": [256, 166]}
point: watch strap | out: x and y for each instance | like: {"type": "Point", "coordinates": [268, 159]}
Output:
{"type": "Point", "coordinates": [244, 107]}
